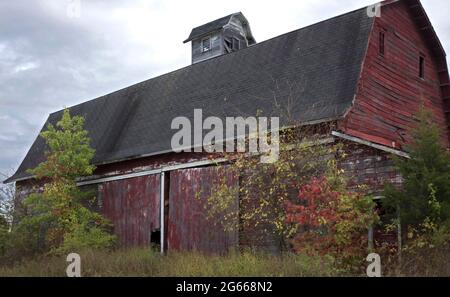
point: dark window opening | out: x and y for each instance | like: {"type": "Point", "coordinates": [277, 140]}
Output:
{"type": "Point", "coordinates": [422, 67]}
{"type": "Point", "coordinates": [206, 44]}
{"type": "Point", "coordinates": [236, 44]}
{"type": "Point", "coordinates": [382, 44]}
{"type": "Point", "coordinates": [382, 231]}
{"type": "Point", "coordinates": [155, 238]}
{"type": "Point", "coordinates": [228, 45]}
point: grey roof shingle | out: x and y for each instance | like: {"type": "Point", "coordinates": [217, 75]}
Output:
{"type": "Point", "coordinates": [314, 69]}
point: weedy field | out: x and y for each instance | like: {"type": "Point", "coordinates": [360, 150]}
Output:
{"type": "Point", "coordinates": [149, 262]}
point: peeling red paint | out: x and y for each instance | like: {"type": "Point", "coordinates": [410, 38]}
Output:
{"type": "Point", "coordinates": [133, 206]}
{"type": "Point", "coordinates": [188, 227]}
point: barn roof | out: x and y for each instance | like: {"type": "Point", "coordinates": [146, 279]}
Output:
{"type": "Point", "coordinates": [311, 72]}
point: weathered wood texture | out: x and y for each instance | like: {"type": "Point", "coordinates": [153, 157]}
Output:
{"type": "Point", "coordinates": [368, 166]}
{"type": "Point", "coordinates": [390, 91]}
{"type": "Point", "coordinates": [133, 206]}
{"type": "Point", "coordinates": [188, 226]}
{"type": "Point", "coordinates": [216, 47]}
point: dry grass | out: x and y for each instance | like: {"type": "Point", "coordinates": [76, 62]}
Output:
{"type": "Point", "coordinates": [146, 262]}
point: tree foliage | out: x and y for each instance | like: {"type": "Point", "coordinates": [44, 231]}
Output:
{"type": "Point", "coordinates": [425, 194]}
{"type": "Point", "coordinates": [331, 220]}
{"type": "Point", "coordinates": [4, 230]}
{"type": "Point", "coordinates": [265, 187]}
{"type": "Point", "coordinates": [422, 204]}
{"type": "Point", "coordinates": [269, 195]}
{"type": "Point", "coordinates": [60, 218]}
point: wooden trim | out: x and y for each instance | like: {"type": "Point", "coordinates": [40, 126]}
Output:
{"type": "Point", "coordinates": [151, 172]}
{"type": "Point", "coordinates": [161, 214]}
{"type": "Point", "coordinates": [371, 144]}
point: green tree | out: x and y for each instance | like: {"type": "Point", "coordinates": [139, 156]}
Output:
{"type": "Point", "coordinates": [422, 205]}
{"type": "Point", "coordinates": [60, 219]}
{"type": "Point", "coordinates": [425, 194]}
{"type": "Point", "coordinates": [4, 228]}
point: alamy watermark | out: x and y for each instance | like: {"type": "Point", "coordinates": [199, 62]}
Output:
{"type": "Point", "coordinates": [229, 137]}
{"type": "Point", "coordinates": [374, 268]}
{"type": "Point", "coordinates": [74, 268]}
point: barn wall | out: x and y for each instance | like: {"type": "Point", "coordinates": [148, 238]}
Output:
{"type": "Point", "coordinates": [365, 165]}
{"type": "Point", "coordinates": [390, 91]}
{"type": "Point", "coordinates": [147, 163]}
{"type": "Point", "coordinates": [188, 226]}
{"type": "Point", "coordinates": [133, 206]}
{"type": "Point", "coordinates": [23, 189]}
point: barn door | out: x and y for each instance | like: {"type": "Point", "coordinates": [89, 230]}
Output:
{"type": "Point", "coordinates": [133, 206]}
{"type": "Point", "coordinates": [187, 226]}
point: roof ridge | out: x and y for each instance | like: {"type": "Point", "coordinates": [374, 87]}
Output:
{"type": "Point", "coordinates": [215, 58]}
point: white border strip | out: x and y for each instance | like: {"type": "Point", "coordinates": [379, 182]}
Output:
{"type": "Point", "coordinates": [118, 177]}
{"type": "Point", "coordinates": [371, 144]}
{"type": "Point", "coordinates": [151, 172]}
{"type": "Point", "coordinates": [193, 164]}
{"type": "Point", "coordinates": [161, 209]}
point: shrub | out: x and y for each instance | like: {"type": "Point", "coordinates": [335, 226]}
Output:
{"type": "Point", "coordinates": [422, 205]}
{"type": "Point", "coordinates": [264, 188]}
{"type": "Point", "coordinates": [426, 187]}
{"type": "Point", "coordinates": [4, 233]}
{"type": "Point", "coordinates": [332, 221]}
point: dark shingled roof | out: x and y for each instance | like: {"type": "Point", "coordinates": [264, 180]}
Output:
{"type": "Point", "coordinates": [314, 71]}
{"type": "Point", "coordinates": [209, 27]}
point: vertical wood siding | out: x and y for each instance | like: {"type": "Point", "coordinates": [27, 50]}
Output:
{"type": "Point", "coordinates": [390, 91]}
{"type": "Point", "coordinates": [133, 207]}
{"type": "Point", "coordinates": [188, 227]}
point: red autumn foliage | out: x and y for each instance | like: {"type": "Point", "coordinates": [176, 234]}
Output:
{"type": "Point", "coordinates": [317, 201]}
{"type": "Point", "coordinates": [330, 220]}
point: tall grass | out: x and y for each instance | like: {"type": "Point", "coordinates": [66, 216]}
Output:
{"type": "Point", "coordinates": [148, 262]}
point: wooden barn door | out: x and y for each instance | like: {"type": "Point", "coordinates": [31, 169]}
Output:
{"type": "Point", "coordinates": [133, 206]}
{"type": "Point", "coordinates": [187, 225]}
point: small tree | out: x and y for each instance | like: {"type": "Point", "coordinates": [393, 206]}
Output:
{"type": "Point", "coordinates": [425, 194]}
{"type": "Point", "coordinates": [4, 230]}
{"type": "Point", "coordinates": [331, 220]}
{"type": "Point", "coordinates": [6, 208]}
{"type": "Point", "coordinates": [59, 218]}
{"type": "Point", "coordinates": [422, 205]}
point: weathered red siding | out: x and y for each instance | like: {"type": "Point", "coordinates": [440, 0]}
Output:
{"type": "Point", "coordinates": [370, 167]}
{"type": "Point", "coordinates": [390, 91]}
{"type": "Point", "coordinates": [147, 163]}
{"type": "Point", "coordinates": [133, 206]}
{"type": "Point", "coordinates": [188, 227]}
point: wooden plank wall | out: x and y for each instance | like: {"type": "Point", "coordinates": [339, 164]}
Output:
{"type": "Point", "coordinates": [188, 227]}
{"type": "Point", "coordinates": [133, 206]}
{"type": "Point", "coordinates": [390, 91]}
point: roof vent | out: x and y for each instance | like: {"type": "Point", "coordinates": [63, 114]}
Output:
{"type": "Point", "coordinates": [222, 36]}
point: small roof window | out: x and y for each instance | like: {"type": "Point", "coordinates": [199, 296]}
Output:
{"type": "Point", "coordinates": [206, 44]}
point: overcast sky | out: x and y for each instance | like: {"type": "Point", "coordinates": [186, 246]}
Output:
{"type": "Point", "coordinates": [54, 55]}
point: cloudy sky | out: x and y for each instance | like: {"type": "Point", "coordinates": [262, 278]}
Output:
{"type": "Point", "coordinates": [57, 53]}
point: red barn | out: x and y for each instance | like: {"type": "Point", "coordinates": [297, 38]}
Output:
{"type": "Point", "coordinates": [366, 73]}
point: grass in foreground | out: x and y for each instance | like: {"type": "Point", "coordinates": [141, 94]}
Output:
{"type": "Point", "coordinates": [147, 262]}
